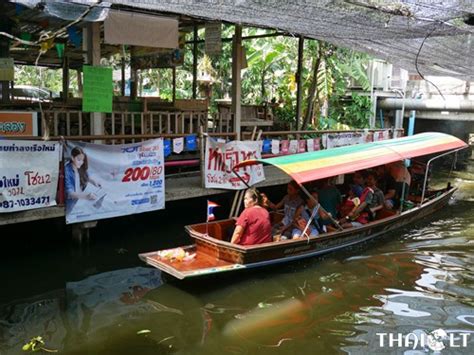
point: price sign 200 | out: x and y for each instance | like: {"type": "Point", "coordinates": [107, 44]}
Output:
{"type": "Point", "coordinates": [142, 173]}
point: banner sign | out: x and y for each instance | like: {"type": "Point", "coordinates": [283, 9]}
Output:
{"type": "Point", "coordinates": [381, 135]}
{"type": "Point", "coordinates": [221, 157]}
{"type": "Point", "coordinates": [275, 146]}
{"type": "Point", "coordinates": [267, 146]}
{"type": "Point", "coordinates": [18, 123]}
{"type": "Point", "coordinates": [213, 38]}
{"type": "Point", "coordinates": [334, 140]}
{"type": "Point", "coordinates": [191, 143]}
{"type": "Point", "coordinates": [28, 174]}
{"type": "Point", "coordinates": [103, 181]}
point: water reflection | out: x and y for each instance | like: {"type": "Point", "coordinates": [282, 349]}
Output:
{"type": "Point", "coordinates": [416, 280]}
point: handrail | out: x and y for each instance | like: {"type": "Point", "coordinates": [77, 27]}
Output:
{"type": "Point", "coordinates": [117, 136]}
{"type": "Point", "coordinates": [279, 133]}
{"type": "Point", "coordinates": [428, 167]}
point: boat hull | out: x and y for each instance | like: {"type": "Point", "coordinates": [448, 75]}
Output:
{"type": "Point", "coordinates": [216, 255]}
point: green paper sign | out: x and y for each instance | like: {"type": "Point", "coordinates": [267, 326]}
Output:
{"type": "Point", "coordinates": [60, 50]}
{"type": "Point", "coordinates": [97, 89]}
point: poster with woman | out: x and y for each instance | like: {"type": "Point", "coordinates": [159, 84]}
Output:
{"type": "Point", "coordinates": [104, 181]}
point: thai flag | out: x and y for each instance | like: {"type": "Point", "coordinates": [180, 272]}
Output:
{"type": "Point", "coordinates": [210, 210]}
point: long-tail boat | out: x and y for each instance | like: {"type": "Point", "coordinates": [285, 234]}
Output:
{"type": "Point", "coordinates": [211, 253]}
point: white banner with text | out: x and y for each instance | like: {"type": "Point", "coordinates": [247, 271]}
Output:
{"type": "Point", "coordinates": [104, 181]}
{"type": "Point", "coordinates": [29, 173]}
{"type": "Point", "coordinates": [221, 157]}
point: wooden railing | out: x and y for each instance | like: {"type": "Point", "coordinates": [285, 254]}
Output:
{"type": "Point", "coordinates": [77, 123]}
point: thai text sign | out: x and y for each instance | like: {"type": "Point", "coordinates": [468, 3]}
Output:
{"type": "Point", "coordinates": [28, 174]}
{"type": "Point", "coordinates": [18, 123]}
{"type": "Point", "coordinates": [103, 181]}
{"type": "Point", "coordinates": [98, 89]}
{"type": "Point", "coordinates": [222, 157]}
{"type": "Point", "coordinates": [334, 140]}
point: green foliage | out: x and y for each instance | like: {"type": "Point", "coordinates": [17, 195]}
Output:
{"type": "Point", "coordinates": [37, 344]}
{"type": "Point", "coordinates": [355, 112]}
{"type": "Point", "coordinates": [44, 77]}
{"type": "Point", "coordinates": [269, 77]}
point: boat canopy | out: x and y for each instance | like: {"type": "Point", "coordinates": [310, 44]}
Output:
{"type": "Point", "coordinates": [321, 164]}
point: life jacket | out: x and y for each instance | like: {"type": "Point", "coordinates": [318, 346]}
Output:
{"type": "Point", "coordinates": [349, 205]}
{"type": "Point", "coordinates": [364, 193]}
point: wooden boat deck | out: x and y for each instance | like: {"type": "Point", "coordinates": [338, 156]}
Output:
{"type": "Point", "coordinates": [201, 264]}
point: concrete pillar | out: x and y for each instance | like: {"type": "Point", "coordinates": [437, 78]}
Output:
{"type": "Point", "coordinates": [236, 79]}
{"type": "Point", "coordinates": [398, 119]}
{"type": "Point", "coordinates": [93, 58]}
{"type": "Point", "coordinates": [299, 84]}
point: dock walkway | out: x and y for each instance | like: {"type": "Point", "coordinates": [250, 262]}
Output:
{"type": "Point", "coordinates": [176, 188]}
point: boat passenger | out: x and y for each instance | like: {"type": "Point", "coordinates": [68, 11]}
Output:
{"type": "Point", "coordinates": [373, 200]}
{"type": "Point", "coordinates": [383, 178]}
{"type": "Point", "coordinates": [311, 208]}
{"type": "Point", "coordinates": [329, 196]}
{"type": "Point", "coordinates": [399, 185]}
{"type": "Point", "coordinates": [349, 218]}
{"type": "Point", "coordinates": [358, 183]}
{"type": "Point", "coordinates": [290, 204]}
{"type": "Point", "coordinates": [253, 225]}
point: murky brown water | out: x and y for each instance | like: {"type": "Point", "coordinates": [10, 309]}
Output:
{"type": "Point", "coordinates": [417, 280]}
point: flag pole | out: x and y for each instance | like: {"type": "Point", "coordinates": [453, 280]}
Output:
{"type": "Point", "coordinates": [207, 219]}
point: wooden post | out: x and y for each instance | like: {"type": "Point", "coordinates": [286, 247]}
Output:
{"type": "Point", "coordinates": [79, 81]}
{"type": "Point", "coordinates": [5, 26]}
{"type": "Point", "coordinates": [236, 79]}
{"type": "Point", "coordinates": [122, 87]}
{"type": "Point", "coordinates": [299, 84]}
{"type": "Point", "coordinates": [202, 155]}
{"type": "Point", "coordinates": [133, 76]}
{"type": "Point", "coordinates": [195, 60]}
{"type": "Point", "coordinates": [65, 75]}
{"type": "Point", "coordinates": [174, 84]}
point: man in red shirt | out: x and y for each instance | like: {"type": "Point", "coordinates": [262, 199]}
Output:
{"type": "Point", "coordinates": [253, 225]}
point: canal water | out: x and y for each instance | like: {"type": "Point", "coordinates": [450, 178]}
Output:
{"type": "Point", "coordinates": [100, 299]}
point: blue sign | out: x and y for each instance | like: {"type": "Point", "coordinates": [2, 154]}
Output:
{"type": "Point", "coordinates": [191, 142]}
{"type": "Point", "coordinates": [167, 147]}
{"type": "Point", "coordinates": [267, 146]}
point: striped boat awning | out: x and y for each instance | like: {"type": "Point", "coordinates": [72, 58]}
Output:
{"type": "Point", "coordinates": [321, 164]}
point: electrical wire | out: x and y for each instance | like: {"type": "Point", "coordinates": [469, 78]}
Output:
{"type": "Point", "coordinates": [416, 62]}
{"type": "Point", "coordinates": [50, 36]}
